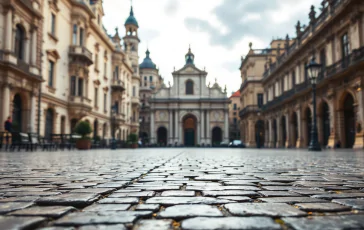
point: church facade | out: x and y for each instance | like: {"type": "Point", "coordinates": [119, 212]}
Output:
{"type": "Point", "coordinates": [189, 113]}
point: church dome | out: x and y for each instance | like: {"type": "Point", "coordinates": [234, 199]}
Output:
{"type": "Point", "coordinates": [131, 20]}
{"type": "Point", "coordinates": [147, 62]}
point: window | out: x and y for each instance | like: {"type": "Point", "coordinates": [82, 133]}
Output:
{"type": "Point", "coordinates": [19, 42]}
{"type": "Point", "coordinates": [260, 99]}
{"type": "Point", "coordinates": [74, 35]}
{"type": "Point", "coordinates": [345, 46]}
{"type": "Point", "coordinates": [81, 36]}
{"type": "Point", "coordinates": [105, 69]}
{"type": "Point", "coordinates": [234, 106]}
{"type": "Point", "coordinates": [117, 73]}
{"type": "Point", "coordinates": [293, 78]}
{"type": "Point", "coordinates": [234, 113]}
{"type": "Point", "coordinates": [145, 78]}
{"type": "Point", "coordinates": [73, 86]}
{"type": "Point", "coordinates": [151, 78]}
{"type": "Point", "coordinates": [235, 121]}
{"type": "Point", "coordinates": [96, 96]}
{"type": "Point", "coordinates": [105, 102]}
{"type": "Point", "coordinates": [50, 73]}
{"type": "Point", "coordinates": [80, 87]}
{"type": "Point", "coordinates": [96, 61]}
{"type": "Point", "coordinates": [306, 73]}
{"type": "Point", "coordinates": [53, 24]}
{"type": "Point", "coordinates": [134, 90]}
{"type": "Point", "coordinates": [98, 19]}
{"type": "Point", "coordinates": [116, 107]}
{"type": "Point", "coordinates": [189, 87]}
{"type": "Point", "coordinates": [282, 85]}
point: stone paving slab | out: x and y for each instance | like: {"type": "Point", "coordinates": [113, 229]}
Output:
{"type": "Point", "coordinates": [182, 188]}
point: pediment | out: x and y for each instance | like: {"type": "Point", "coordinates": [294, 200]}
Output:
{"type": "Point", "coordinates": [189, 69]}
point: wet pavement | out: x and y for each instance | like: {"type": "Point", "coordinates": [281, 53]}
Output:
{"type": "Point", "coordinates": [182, 188]}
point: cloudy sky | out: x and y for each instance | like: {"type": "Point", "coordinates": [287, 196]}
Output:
{"type": "Point", "coordinates": [219, 31]}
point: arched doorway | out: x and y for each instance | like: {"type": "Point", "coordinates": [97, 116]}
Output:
{"type": "Point", "coordinates": [73, 124]}
{"type": "Point", "coordinates": [349, 121]}
{"type": "Point", "coordinates": [96, 127]}
{"type": "Point", "coordinates": [145, 138]}
{"type": "Point", "coordinates": [63, 125]}
{"type": "Point", "coordinates": [325, 123]}
{"type": "Point", "coordinates": [49, 123]}
{"type": "Point", "coordinates": [259, 133]}
{"type": "Point", "coordinates": [17, 113]}
{"type": "Point", "coordinates": [274, 133]}
{"type": "Point", "coordinates": [216, 136]}
{"type": "Point", "coordinates": [284, 131]}
{"type": "Point", "coordinates": [189, 129]}
{"type": "Point", "coordinates": [308, 117]}
{"type": "Point", "coordinates": [104, 131]}
{"type": "Point", "coordinates": [294, 129]}
{"type": "Point", "coordinates": [162, 136]}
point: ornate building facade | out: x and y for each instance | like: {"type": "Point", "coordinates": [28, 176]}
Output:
{"type": "Point", "coordinates": [335, 37]}
{"type": "Point", "coordinates": [85, 73]}
{"type": "Point", "coordinates": [150, 83]}
{"type": "Point", "coordinates": [189, 113]}
{"type": "Point", "coordinates": [234, 107]}
{"type": "Point", "coordinates": [21, 33]}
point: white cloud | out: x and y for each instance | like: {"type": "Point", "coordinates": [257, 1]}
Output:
{"type": "Point", "coordinates": [162, 27]}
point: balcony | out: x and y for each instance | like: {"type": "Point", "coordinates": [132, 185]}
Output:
{"type": "Point", "coordinates": [120, 118]}
{"type": "Point", "coordinates": [249, 109]}
{"type": "Point", "coordinates": [79, 106]}
{"type": "Point", "coordinates": [24, 69]}
{"type": "Point", "coordinates": [307, 33]}
{"type": "Point", "coordinates": [348, 63]}
{"type": "Point", "coordinates": [135, 101]}
{"type": "Point", "coordinates": [80, 54]}
{"type": "Point", "coordinates": [117, 85]}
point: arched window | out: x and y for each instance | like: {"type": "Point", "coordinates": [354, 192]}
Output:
{"type": "Point", "coordinates": [19, 42]}
{"type": "Point", "coordinates": [189, 87]}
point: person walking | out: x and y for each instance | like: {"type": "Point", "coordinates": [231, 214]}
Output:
{"type": "Point", "coordinates": [8, 126]}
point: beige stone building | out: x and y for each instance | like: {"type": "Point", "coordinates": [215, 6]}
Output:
{"type": "Point", "coordinates": [335, 37]}
{"type": "Point", "coordinates": [86, 73]}
{"type": "Point", "coordinates": [234, 121]}
{"type": "Point", "coordinates": [251, 91]}
{"type": "Point", "coordinates": [150, 83]}
{"type": "Point", "coordinates": [21, 34]}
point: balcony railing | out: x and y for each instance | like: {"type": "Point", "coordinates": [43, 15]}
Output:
{"type": "Point", "coordinates": [82, 52]}
{"type": "Point", "coordinates": [117, 85]}
{"type": "Point", "coordinates": [281, 59]}
{"type": "Point", "coordinates": [354, 58]}
{"type": "Point", "coordinates": [249, 109]}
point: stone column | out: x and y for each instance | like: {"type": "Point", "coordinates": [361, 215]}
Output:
{"type": "Point", "coordinates": [180, 131]}
{"type": "Point", "coordinates": [208, 140]}
{"type": "Point", "coordinates": [299, 128]}
{"type": "Point", "coordinates": [279, 133]}
{"type": "Point", "coordinates": [203, 126]}
{"type": "Point", "coordinates": [33, 60]}
{"type": "Point", "coordinates": [266, 135]}
{"type": "Point", "coordinates": [170, 129]}
{"type": "Point", "coordinates": [288, 133]}
{"type": "Point", "coordinates": [6, 104]}
{"type": "Point", "coordinates": [8, 32]}
{"type": "Point", "coordinates": [152, 131]}
{"type": "Point", "coordinates": [359, 135]}
{"type": "Point", "coordinates": [271, 139]}
{"type": "Point", "coordinates": [26, 50]}
{"type": "Point", "coordinates": [198, 132]}
{"type": "Point", "coordinates": [32, 112]}
{"type": "Point", "coordinates": [332, 137]}
{"type": "Point", "coordinates": [226, 126]}
{"type": "Point", "coordinates": [176, 124]}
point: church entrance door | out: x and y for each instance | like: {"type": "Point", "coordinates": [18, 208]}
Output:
{"type": "Point", "coordinates": [189, 128]}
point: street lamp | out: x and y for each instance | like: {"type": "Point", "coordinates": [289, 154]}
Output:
{"type": "Point", "coordinates": [113, 121]}
{"type": "Point", "coordinates": [313, 70]}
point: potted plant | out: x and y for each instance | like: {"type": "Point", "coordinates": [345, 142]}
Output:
{"type": "Point", "coordinates": [83, 129]}
{"type": "Point", "coordinates": [133, 138]}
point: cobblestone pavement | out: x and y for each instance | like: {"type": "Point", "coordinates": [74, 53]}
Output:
{"type": "Point", "coordinates": [147, 189]}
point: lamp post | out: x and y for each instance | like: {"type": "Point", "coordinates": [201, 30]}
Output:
{"type": "Point", "coordinates": [313, 70]}
{"type": "Point", "coordinates": [113, 114]}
